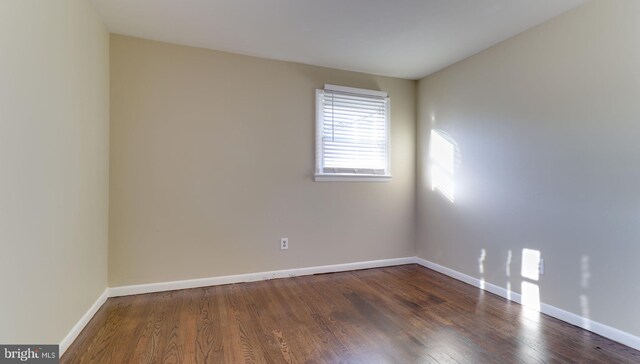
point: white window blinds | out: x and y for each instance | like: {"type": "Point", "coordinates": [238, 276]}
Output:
{"type": "Point", "coordinates": [352, 136]}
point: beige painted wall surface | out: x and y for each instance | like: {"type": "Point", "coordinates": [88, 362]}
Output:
{"type": "Point", "coordinates": [547, 130]}
{"type": "Point", "coordinates": [54, 127]}
{"type": "Point", "coordinates": [212, 157]}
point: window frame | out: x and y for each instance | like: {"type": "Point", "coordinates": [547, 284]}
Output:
{"type": "Point", "coordinates": [319, 175]}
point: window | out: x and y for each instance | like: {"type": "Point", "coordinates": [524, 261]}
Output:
{"type": "Point", "coordinates": [352, 134]}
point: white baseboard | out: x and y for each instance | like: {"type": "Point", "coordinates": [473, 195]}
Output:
{"type": "Point", "coordinates": [84, 320]}
{"type": "Point", "coordinates": [577, 320]}
{"type": "Point", "coordinates": [252, 277]}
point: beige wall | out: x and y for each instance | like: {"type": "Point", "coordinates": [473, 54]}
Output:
{"type": "Point", "coordinates": [547, 128]}
{"type": "Point", "coordinates": [212, 157]}
{"type": "Point", "coordinates": [54, 127]}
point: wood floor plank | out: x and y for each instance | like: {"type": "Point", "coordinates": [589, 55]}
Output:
{"type": "Point", "coordinates": [403, 314]}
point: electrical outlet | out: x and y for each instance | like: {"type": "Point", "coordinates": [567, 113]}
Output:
{"type": "Point", "coordinates": [541, 266]}
{"type": "Point", "coordinates": [284, 243]}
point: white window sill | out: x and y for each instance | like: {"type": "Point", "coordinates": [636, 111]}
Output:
{"type": "Point", "coordinates": [351, 178]}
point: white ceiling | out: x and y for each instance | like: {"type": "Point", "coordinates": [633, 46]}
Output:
{"type": "Point", "coordinates": [401, 38]}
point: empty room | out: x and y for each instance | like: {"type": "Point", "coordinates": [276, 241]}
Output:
{"type": "Point", "coordinates": [319, 181]}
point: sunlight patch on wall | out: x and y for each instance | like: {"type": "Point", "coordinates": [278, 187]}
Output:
{"type": "Point", "coordinates": [483, 256]}
{"type": "Point", "coordinates": [586, 272]}
{"type": "Point", "coordinates": [584, 299]}
{"type": "Point", "coordinates": [508, 273]}
{"type": "Point", "coordinates": [531, 264]}
{"type": "Point", "coordinates": [586, 313]}
{"type": "Point", "coordinates": [530, 291]}
{"type": "Point", "coordinates": [442, 158]}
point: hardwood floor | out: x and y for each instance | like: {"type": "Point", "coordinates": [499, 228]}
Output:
{"type": "Point", "coordinates": [404, 314]}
